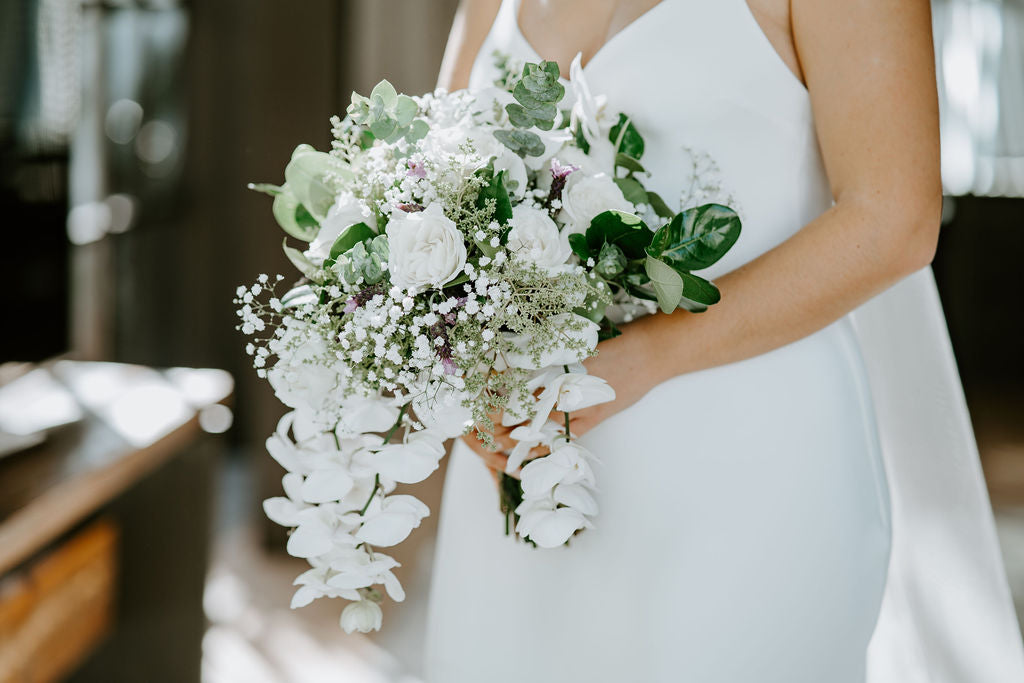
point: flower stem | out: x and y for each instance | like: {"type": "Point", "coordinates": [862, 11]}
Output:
{"type": "Point", "coordinates": [568, 436]}
{"type": "Point", "coordinates": [387, 438]}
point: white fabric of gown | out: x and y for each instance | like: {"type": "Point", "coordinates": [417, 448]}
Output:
{"type": "Point", "coordinates": [746, 524]}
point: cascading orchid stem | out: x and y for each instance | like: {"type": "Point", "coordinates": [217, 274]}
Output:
{"type": "Point", "coordinates": [387, 438]}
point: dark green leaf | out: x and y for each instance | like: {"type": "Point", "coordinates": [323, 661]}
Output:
{"type": "Point", "coordinates": [659, 205]}
{"type": "Point", "coordinates": [624, 230]}
{"type": "Point", "coordinates": [632, 190]}
{"type": "Point", "coordinates": [696, 238]}
{"type": "Point", "coordinates": [578, 244]}
{"type": "Point", "coordinates": [629, 163]}
{"type": "Point", "coordinates": [626, 138]}
{"type": "Point", "coordinates": [581, 141]}
{"type": "Point", "coordinates": [608, 330]}
{"type": "Point", "coordinates": [350, 237]}
{"type": "Point", "coordinates": [495, 189]}
{"type": "Point", "coordinates": [699, 290]}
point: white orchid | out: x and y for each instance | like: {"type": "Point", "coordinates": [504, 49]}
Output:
{"type": "Point", "coordinates": [580, 340]}
{"type": "Point", "coordinates": [313, 585]}
{"type": "Point", "coordinates": [548, 526]}
{"type": "Point", "coordinates": [570, 392]}
{"type": "Point", "coordinates": [410, 462]}
{"type": "Point", "coordinates": [389, 522]}
{"type": "Point", "coordinates": [363, 616]}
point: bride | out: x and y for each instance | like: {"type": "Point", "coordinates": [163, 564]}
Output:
{"type": "Point", "coordinates": [790, 491]}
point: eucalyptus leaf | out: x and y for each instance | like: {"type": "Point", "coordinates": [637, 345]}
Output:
{"type": "Point", "coordinates": [622, 229]}
{"type": "Point", "coordinates": [632, 190]}
{"type": "Point", "coordinates": [386, 92]}
{"type": "Point", "coordinates": [522, 142]}
{"type": "Point", "coordinates": [405, 110]}
{"type": "Point", "coordinates": [697, 237]}
{"type": "Point", "coordinates": [303, 264]}
{"type": "Point", "coordinates": [418, 130]}
{"type": "Point", "coordinates": [383, 128]}
{"type": "Point", "coordinates": [667, 283]}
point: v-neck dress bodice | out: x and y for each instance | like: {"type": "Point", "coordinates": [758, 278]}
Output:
{"type": "Point", "coordinates": [745, 521]}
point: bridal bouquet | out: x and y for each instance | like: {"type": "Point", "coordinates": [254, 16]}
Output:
{"type": "Point", "coordinates": [464, 253]}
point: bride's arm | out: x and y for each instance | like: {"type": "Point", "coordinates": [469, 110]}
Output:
{"type": "Point", "coordinates": [473, 20]}
{"type": "Point", "coordinates": [870, 73]}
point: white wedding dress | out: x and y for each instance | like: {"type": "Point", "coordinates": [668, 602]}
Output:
{"type": "Point", "coordinates": [747, 520]}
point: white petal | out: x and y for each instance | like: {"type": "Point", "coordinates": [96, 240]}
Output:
{"type": "Point", "coordinates": [326, 485]}
{"type": "Point", "coordinates": [282, 511]}
{"type": "Point", "coordinates": [387, 529]}
{"type": "Point", "coordinates": [309, 540]}
{"type": "Point", "coordinates": [556, 527]}
{"type": "Point", "coordinates": [304, 596]}
{"type": "Point", "coordinates": [577, 497]}
{"type": "Point", "coordinates": [393, 587]}
{"type": "Point", "coordinates": [540, 475]}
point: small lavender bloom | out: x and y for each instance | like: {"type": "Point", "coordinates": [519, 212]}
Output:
{"type": "Point", "coordinates": [416, 169]}
{"type": "Point", "coordinates": [351, 305]}
{"type": "Point", "coordinates": [559, 175]}
{"type": "Point", "coordinates": [450, 368]}
{"type": "Point", "coordinates": [560, 172]}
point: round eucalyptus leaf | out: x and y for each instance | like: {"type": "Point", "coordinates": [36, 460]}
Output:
{"type": "Point", "coordinates": [306, 175]}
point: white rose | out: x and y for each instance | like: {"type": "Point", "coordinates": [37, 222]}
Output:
{"type": "Point", "coordinates": [363, 616]}
{"type": "Point", "coordinates": [586, 196]}
{"type": "Point", "coordinates": [515, 170]}
{"type": "Point", "coordinates": [346, 211]}
{"type": "Point", "coordinates": [535, 238]}
{"type": "Point", "coordinates": [427, 250]}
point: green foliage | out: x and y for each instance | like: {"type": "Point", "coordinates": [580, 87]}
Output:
{"type": "Point", "coordinates": [387, 115]}
{"type": "Point", "coordinates": [293, 217]}
{"type": "Point", "coordinates": [494, 190]}
{"type": "Point", "coordinates": [628, 232]}
{"type": "Point", "coordinates": [658, 204]}
{"type": "Point", "coordinates": [537, 93]}
{"type": "Point", "coordinates": [632, 190]}
{"type": "Point", "coordinates": [610, 261]}
{"type": "Point", "coordinates": [667, 283]}
{"type": "Point", "coordinates": [364, 260]}
{"type": "Point", "coordinates": [307, 178]}
{"type": "Point", "coordinates": [350, 237]}
{"type": "Point", "coordinates": [626, 138]}
{"type": "Point", "coordinates": [523, 142]}
{"type": "Point", "coordinates": [697, 237]}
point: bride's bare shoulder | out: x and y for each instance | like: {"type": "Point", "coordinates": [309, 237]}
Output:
{"type": "Point", "coordinates": [472, 23]}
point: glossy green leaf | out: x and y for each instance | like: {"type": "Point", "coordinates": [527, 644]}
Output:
{"type": "Point", "coordinates": [495, 189]}
{"type": "Point", "coordinates": [700, 290]}
{"type": "Point", "coordinates": [622, 229]}
{"type": "Point", "coordinates": [350, 237]}
{"type": "Point", "coordinates": [697, 237]}
{"type": "Point", "coordinates": [667, 283]}
{"type": "Point", "coordinates": [578, 244]}
{"type": "Point", "coordinates": [626, 138]}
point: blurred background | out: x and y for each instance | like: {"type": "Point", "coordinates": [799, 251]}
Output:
{"type": "Point", "coordinates": [131, 423]}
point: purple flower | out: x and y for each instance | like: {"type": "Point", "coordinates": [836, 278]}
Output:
{"type": "Point", "coordinates": [351, 305]}
{"type": "Point", "coordinates": [559, 175]}
{"type": "Point", "coordinates": [449, 366]}
{"type": "Point", "coordinates": [416, 169]}
{"type": "Point", "coordinates": [560, 172]}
